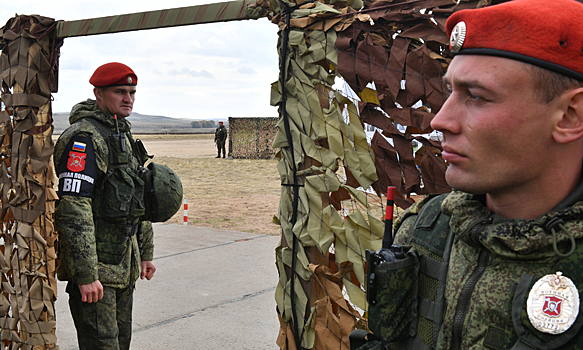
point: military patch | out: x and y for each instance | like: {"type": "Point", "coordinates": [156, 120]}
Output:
{"type": "Point", "coordinates": [77, 171]}
{"type": "Point", "coordinates": [79, 146]}
{"type": "Point", "coordinates": [76, 161]}
{"type": "Point", "coordinates": [553, 304]}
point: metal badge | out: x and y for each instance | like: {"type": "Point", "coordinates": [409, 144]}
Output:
{"type": "Point", "coordinates": [129, 80]}
{"type": "Point", "coordinates": [458, 35]}
{"type": "Point", "coordinates": [553, 304]}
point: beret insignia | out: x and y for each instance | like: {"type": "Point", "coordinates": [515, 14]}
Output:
{"type": "Point", "coordinates": [458, 35]}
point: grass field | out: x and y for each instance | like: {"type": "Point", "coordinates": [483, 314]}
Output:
{"type": "Point", "coordinates": [238, 194]}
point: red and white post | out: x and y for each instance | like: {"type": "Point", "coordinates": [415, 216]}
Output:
{"type": "Point", "coordinates": [185, 211]}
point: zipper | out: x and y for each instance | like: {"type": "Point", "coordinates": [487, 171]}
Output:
{"type": "Point", "coordinates": [465, 297]}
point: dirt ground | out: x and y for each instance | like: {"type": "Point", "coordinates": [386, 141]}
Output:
{"type": "Point", "coordinates": [238, 194]}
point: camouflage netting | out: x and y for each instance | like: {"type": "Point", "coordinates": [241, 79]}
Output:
{"type": "Point", "coordinates": [342, 70]}
{"type": "Point", "coordinates": [251, 138]}
{"type": "Point", "coordinates": [28, 65]}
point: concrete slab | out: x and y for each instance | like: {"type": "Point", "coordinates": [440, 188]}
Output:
{"type": "Point", "coordinates": [213, 289]}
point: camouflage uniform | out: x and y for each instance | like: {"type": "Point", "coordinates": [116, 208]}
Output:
{"type": "Point", "coordinates": [220, 139]}
{"type": "Point", "coordinates": [101, 235]}
{"type": "Point", "coordinates": [493, 265]}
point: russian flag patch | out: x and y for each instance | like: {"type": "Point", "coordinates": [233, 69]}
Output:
{"type": "Point", "coordinates": [79, 146]}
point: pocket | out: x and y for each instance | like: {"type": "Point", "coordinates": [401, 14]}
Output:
{"type": "Point", "coordinates": [137, 207]}
{"type": "Point", "coordinates": [395, 306]}
{"type": "Point", "coordinates": [122, 196]}
{"type": "Point", "coordinates": [111, 253]}
{"type": "Point", "coordinates": [118, 150]}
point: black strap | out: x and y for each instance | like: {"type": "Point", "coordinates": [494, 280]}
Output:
{"type": "Point", "coordinates": [416, 344]}
{"type": "Point", "coordinates": [429, 266]}
{"type": "Point", "coordinates": [521, 346]}
{"type": "Point", "coordinates": [359, 337]}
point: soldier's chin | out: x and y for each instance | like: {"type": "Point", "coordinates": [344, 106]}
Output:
{"type": "Point", "coordinates": [461, 181]}
{"type": "Point", "coordinates": [125, 112]}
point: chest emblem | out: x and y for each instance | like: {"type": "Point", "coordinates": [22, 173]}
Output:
{"type": "Point", "coordinates": [553, 304]}
{"type": "Point", "coordinates": [76, 161]}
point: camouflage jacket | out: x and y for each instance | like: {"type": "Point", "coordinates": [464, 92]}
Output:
{"type": "Point", "coordinates": [494, 264]}
{"type": "Point", "coordinates": [97, 240]}
{"type": "Point", "coordinates": [221, 134]}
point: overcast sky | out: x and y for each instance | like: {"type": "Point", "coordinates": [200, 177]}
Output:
{"type": "Point", "coordinates": [200, 71]}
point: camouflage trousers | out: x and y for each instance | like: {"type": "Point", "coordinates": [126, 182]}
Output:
{"type": "Point", "coordinates": [96, 323]}
{"type": "Point", "coordinates": [221, 146]}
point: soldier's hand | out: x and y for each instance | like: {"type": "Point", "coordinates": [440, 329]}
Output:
{"type": "Point", "coordinates": [148, 270]}
{"type": "Point", "coordinates": [92, 292]}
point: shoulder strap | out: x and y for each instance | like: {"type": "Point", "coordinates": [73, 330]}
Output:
{"type": "Point", "coordinates": [103, 130]}
{"type": "Point", "coordinates": [431, 227]}
{"type": "Point", "coordinates": [432, 237]}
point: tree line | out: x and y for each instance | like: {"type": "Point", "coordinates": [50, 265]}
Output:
{"type": "Point", "coordinates": [204, 124]}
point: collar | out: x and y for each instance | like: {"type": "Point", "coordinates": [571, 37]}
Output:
{"type": "Point", "coordinates": [572, 198]}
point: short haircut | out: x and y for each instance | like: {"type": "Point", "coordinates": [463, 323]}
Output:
{"type": "Point", "coordinates": [549, 85]}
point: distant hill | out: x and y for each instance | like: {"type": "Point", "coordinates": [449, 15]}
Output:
{"type": "Point", "coordinates": [144, 124]}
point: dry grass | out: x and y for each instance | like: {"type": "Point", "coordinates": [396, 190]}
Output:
{"type": "Point", "coordinates": [239, 194]}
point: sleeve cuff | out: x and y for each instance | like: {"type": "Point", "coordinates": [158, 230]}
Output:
{"type": "Point", "coordinates": [85, 279]}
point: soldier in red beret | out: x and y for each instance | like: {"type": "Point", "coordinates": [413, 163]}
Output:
{"type": "Point", "coordinates": [104, 242]}
{"type": "Point", "coordinates": [500, 259]}
{"type": "Point", "coordinates": [115, 88]}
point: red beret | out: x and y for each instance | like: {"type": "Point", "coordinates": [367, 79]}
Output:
{"type": "Point", "coordinates": [113, 73]}
{"type": "Point", "coordinates": [545, 33]}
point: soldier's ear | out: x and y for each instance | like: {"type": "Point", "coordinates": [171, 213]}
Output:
{"type": "Point", "coordinates": [97, 92]}
{"type": "Point", "coordinates": [569, 126]}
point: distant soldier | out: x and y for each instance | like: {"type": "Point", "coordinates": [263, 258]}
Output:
{"type": "Point", "coordinates": [220, 139]}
